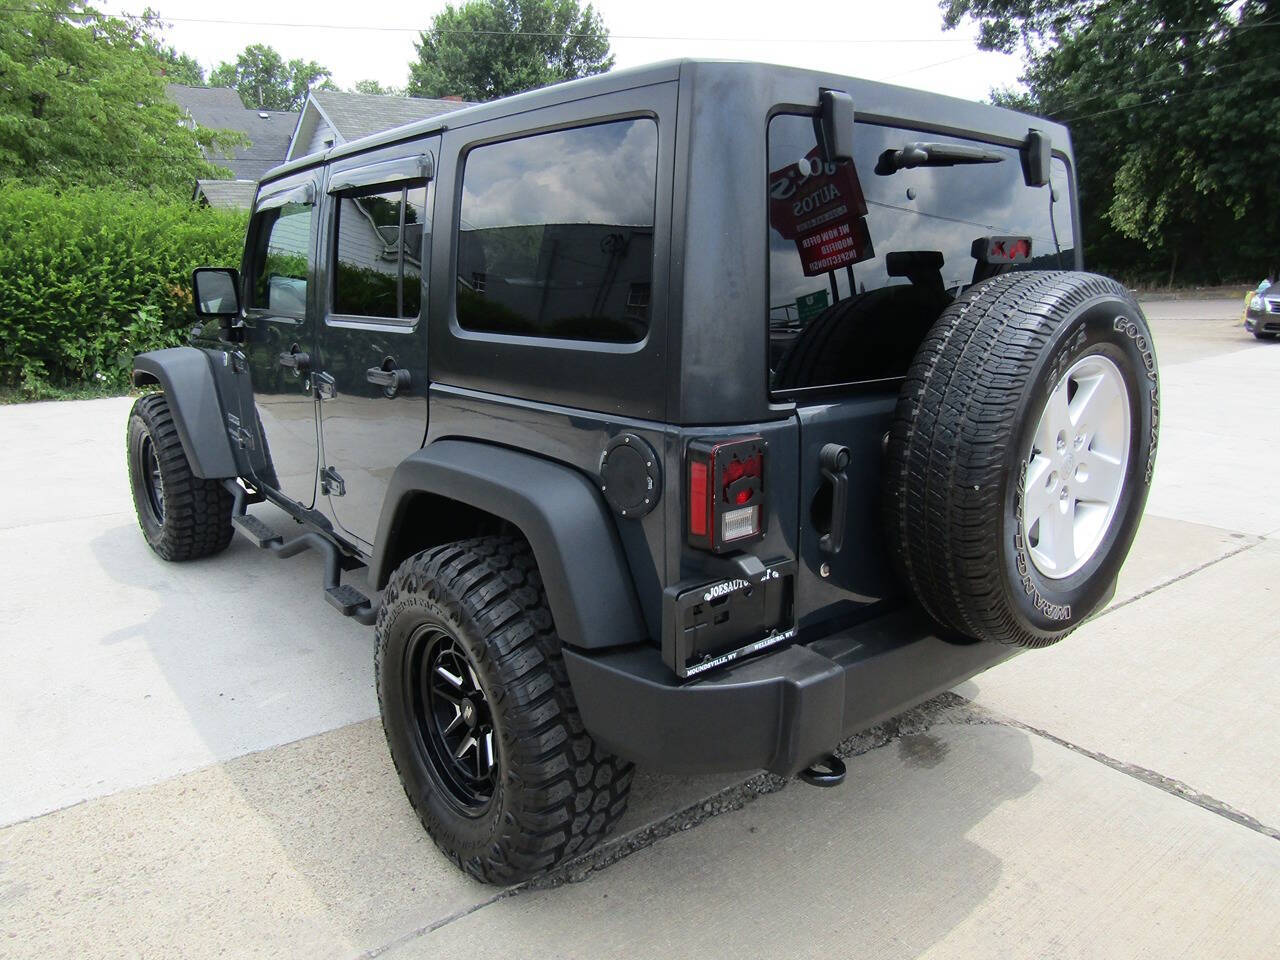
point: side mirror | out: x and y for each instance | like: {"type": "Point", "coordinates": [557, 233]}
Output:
{"type": "Point", "coordinates": [837, 125]}
{"type": "Point", "coordinates": [216, 292]}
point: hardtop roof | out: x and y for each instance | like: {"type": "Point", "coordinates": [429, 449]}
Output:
{"type": "Point", "coordinates": [873, 100]}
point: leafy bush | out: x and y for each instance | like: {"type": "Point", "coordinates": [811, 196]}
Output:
{"type": "Point", "coordinates": [89, 277]}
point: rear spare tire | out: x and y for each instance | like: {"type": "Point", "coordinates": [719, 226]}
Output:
{"type": "Point", "coordinates": [1021, 453]}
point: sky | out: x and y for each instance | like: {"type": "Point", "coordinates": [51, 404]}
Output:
{"type": "Point", "coordinates": [900, 41]}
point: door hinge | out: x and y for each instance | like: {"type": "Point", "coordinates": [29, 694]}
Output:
{"type": "Point", "coordinates": [331, 483]}
{"type": "Point", "coordinates": [325, 386]}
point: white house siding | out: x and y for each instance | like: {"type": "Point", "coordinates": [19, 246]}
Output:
{"type": "Point", "coordinates": [317, 142]}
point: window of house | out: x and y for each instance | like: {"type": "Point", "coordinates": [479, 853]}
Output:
{"type": "Point", "coordinates": [558, 230]}
{"type": "Point", "coordinates": [282, 240]}
{"type": "Point", "coordinates": [381, 234]}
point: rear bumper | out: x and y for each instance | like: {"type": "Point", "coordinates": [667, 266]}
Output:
{"type": "Point", "coordinates": [780, 712]}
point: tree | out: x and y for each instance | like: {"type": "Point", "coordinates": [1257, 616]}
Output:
{"type": "Point", "coordinates": [265, 81]}
{"type": "Point", "coordinates": [82, 100]}
{"type": "Point", "coordinates": [484, 49]}
{"type": "Point", "coordinates": [1169, 103]}
{"type": "Point", "coordinates": [175, 67]}
{"type": "Point", "coordinates": [178, 67]}
{"type": "Point", "coordinates": [374, 88]}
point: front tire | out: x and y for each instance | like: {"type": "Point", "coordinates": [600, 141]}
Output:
{"type": "Point", "coordinates": [479, 716]}
{"type": "Point", "coordinates": [182, 516]}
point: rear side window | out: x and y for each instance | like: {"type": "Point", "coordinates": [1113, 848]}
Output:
{"type": "Point", "coordinates": [379, 250]}
{"type": "Point", "coordinates": [863, 256]}
{"type": "Point", "coordinates": [556, 234]}
{"type": "Point", "coordinates": [282, 239]}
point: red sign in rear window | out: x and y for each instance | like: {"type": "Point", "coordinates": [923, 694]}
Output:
{"type": "Point", "coordinates": [819, 205]}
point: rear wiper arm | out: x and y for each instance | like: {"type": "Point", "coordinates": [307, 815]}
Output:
{"type": "Point", "coordinates": [922, 154]}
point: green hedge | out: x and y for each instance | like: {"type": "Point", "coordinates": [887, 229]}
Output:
{"type": "Point", "coordinates": [89, 277]}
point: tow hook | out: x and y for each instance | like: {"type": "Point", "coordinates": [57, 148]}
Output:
{"type": "Point", "coordinates": [827, 772]}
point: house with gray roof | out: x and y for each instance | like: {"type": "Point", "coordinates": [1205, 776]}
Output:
{"type": "Point", "coordinates": [219, 108]}
{"type": "Point", "coordinates": [328, 118]}
{"type": "Point", "coordinates": [331, 117]}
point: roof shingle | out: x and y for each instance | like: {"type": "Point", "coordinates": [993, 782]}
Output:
{"type": "Point", "coordinates": [227, 193]}
{"type": "Point", "coordinates": [219, 108]}
{"type": "Point", "coordinates": [357, 115]}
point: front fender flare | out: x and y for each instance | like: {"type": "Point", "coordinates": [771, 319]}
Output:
{"type": "Point", "coordinates": [559, 511]}
{"type": "Point", "coordinates": [187, 380]}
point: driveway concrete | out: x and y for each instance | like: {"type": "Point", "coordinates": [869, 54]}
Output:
{"type": "Point", "coordinates": [192, 764]}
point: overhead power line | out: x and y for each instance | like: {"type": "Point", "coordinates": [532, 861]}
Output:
{"type": "Point", "coordinates": [376, 28]}
{"type": "Point", "coordinates": [1114, 91]}
{"type": "Point", "coordinates": [1173, 96]}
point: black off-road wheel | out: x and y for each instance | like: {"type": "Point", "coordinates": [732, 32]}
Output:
{"type": "Point", "coordinates": [1021, 454]}
{"type": "Point", "coordinates": [182, 516]}
{"type": "Point", "coordinates": [480, 718]}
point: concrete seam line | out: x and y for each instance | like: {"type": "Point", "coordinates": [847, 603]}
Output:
{"type": "Point", "coordinates": [1111, 608]}
{"type": "Point", "coordinates": [1142, 774]}
{"type": "Point", "coordinates": [435, 925]}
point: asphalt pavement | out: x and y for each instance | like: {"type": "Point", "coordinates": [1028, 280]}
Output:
{"type": "Point", "coordinates": [191, 762]}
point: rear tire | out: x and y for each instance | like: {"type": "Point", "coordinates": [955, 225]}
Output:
{"type": "Point", "coordinates": [182, 516]}
{"type": "Point", "coordinates": [1007, 524]}
{"type": "Point", "coordinates": [479, 716]}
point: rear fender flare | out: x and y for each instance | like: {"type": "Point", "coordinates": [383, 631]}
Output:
{"type": "Point", "coordinates": [186, 378]}
{"type": "Point", "coordinates": [557, 509]}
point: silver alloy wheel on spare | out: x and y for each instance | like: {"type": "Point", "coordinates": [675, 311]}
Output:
{"type": "Point", "coordinates": [1076, 466]}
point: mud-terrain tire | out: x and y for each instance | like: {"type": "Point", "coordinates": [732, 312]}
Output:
{"type": "Point", "coordinates": [182, 516]}
{"type": "Point", "coordinates": [1021, 454]}
{"type": "Point", "coordinates": [468, 622]}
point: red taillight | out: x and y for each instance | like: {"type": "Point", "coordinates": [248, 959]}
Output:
{"type": "Point", "coordinates": [726, 493]}
{"type": "Point", "coordinates": [698, 506]}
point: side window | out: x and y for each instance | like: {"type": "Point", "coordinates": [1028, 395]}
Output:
{"type": "Point", "coordinates": [556, 234]}
{"type": "Point", "coordinates": [282, 240]}
{"type": "Point", "coordinates": [381, 235]}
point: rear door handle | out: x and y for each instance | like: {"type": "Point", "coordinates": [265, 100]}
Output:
{"type": "Point", "coordinates": [391, 381]}
{"type": "Point", "coordinates": [833, 459]}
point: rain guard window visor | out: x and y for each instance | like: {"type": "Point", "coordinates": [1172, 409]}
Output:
{"type": "Point", "coordinates": [864, 256]}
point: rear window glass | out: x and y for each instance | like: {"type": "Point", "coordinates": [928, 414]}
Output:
{"type": "Point", "coordinates": [863, 256]}
{"type": "Point", "coordinates": [378, 261]}
{"type": "Point", "coordinates": [556, 234]}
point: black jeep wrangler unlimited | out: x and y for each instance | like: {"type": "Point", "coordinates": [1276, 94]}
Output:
{"type": "Point", "coordinates": [695, 416]}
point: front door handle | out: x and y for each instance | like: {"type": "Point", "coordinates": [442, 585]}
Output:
{"type": "Point", "coordinates": [389, 378]}
{"type": "Point", "coordinates": [833, 459]}
{"type": "Point", "coordinates": [295, 359]}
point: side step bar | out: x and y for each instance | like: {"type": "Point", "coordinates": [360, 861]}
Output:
{"type": "Point", "coordinates": [346, 599]}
